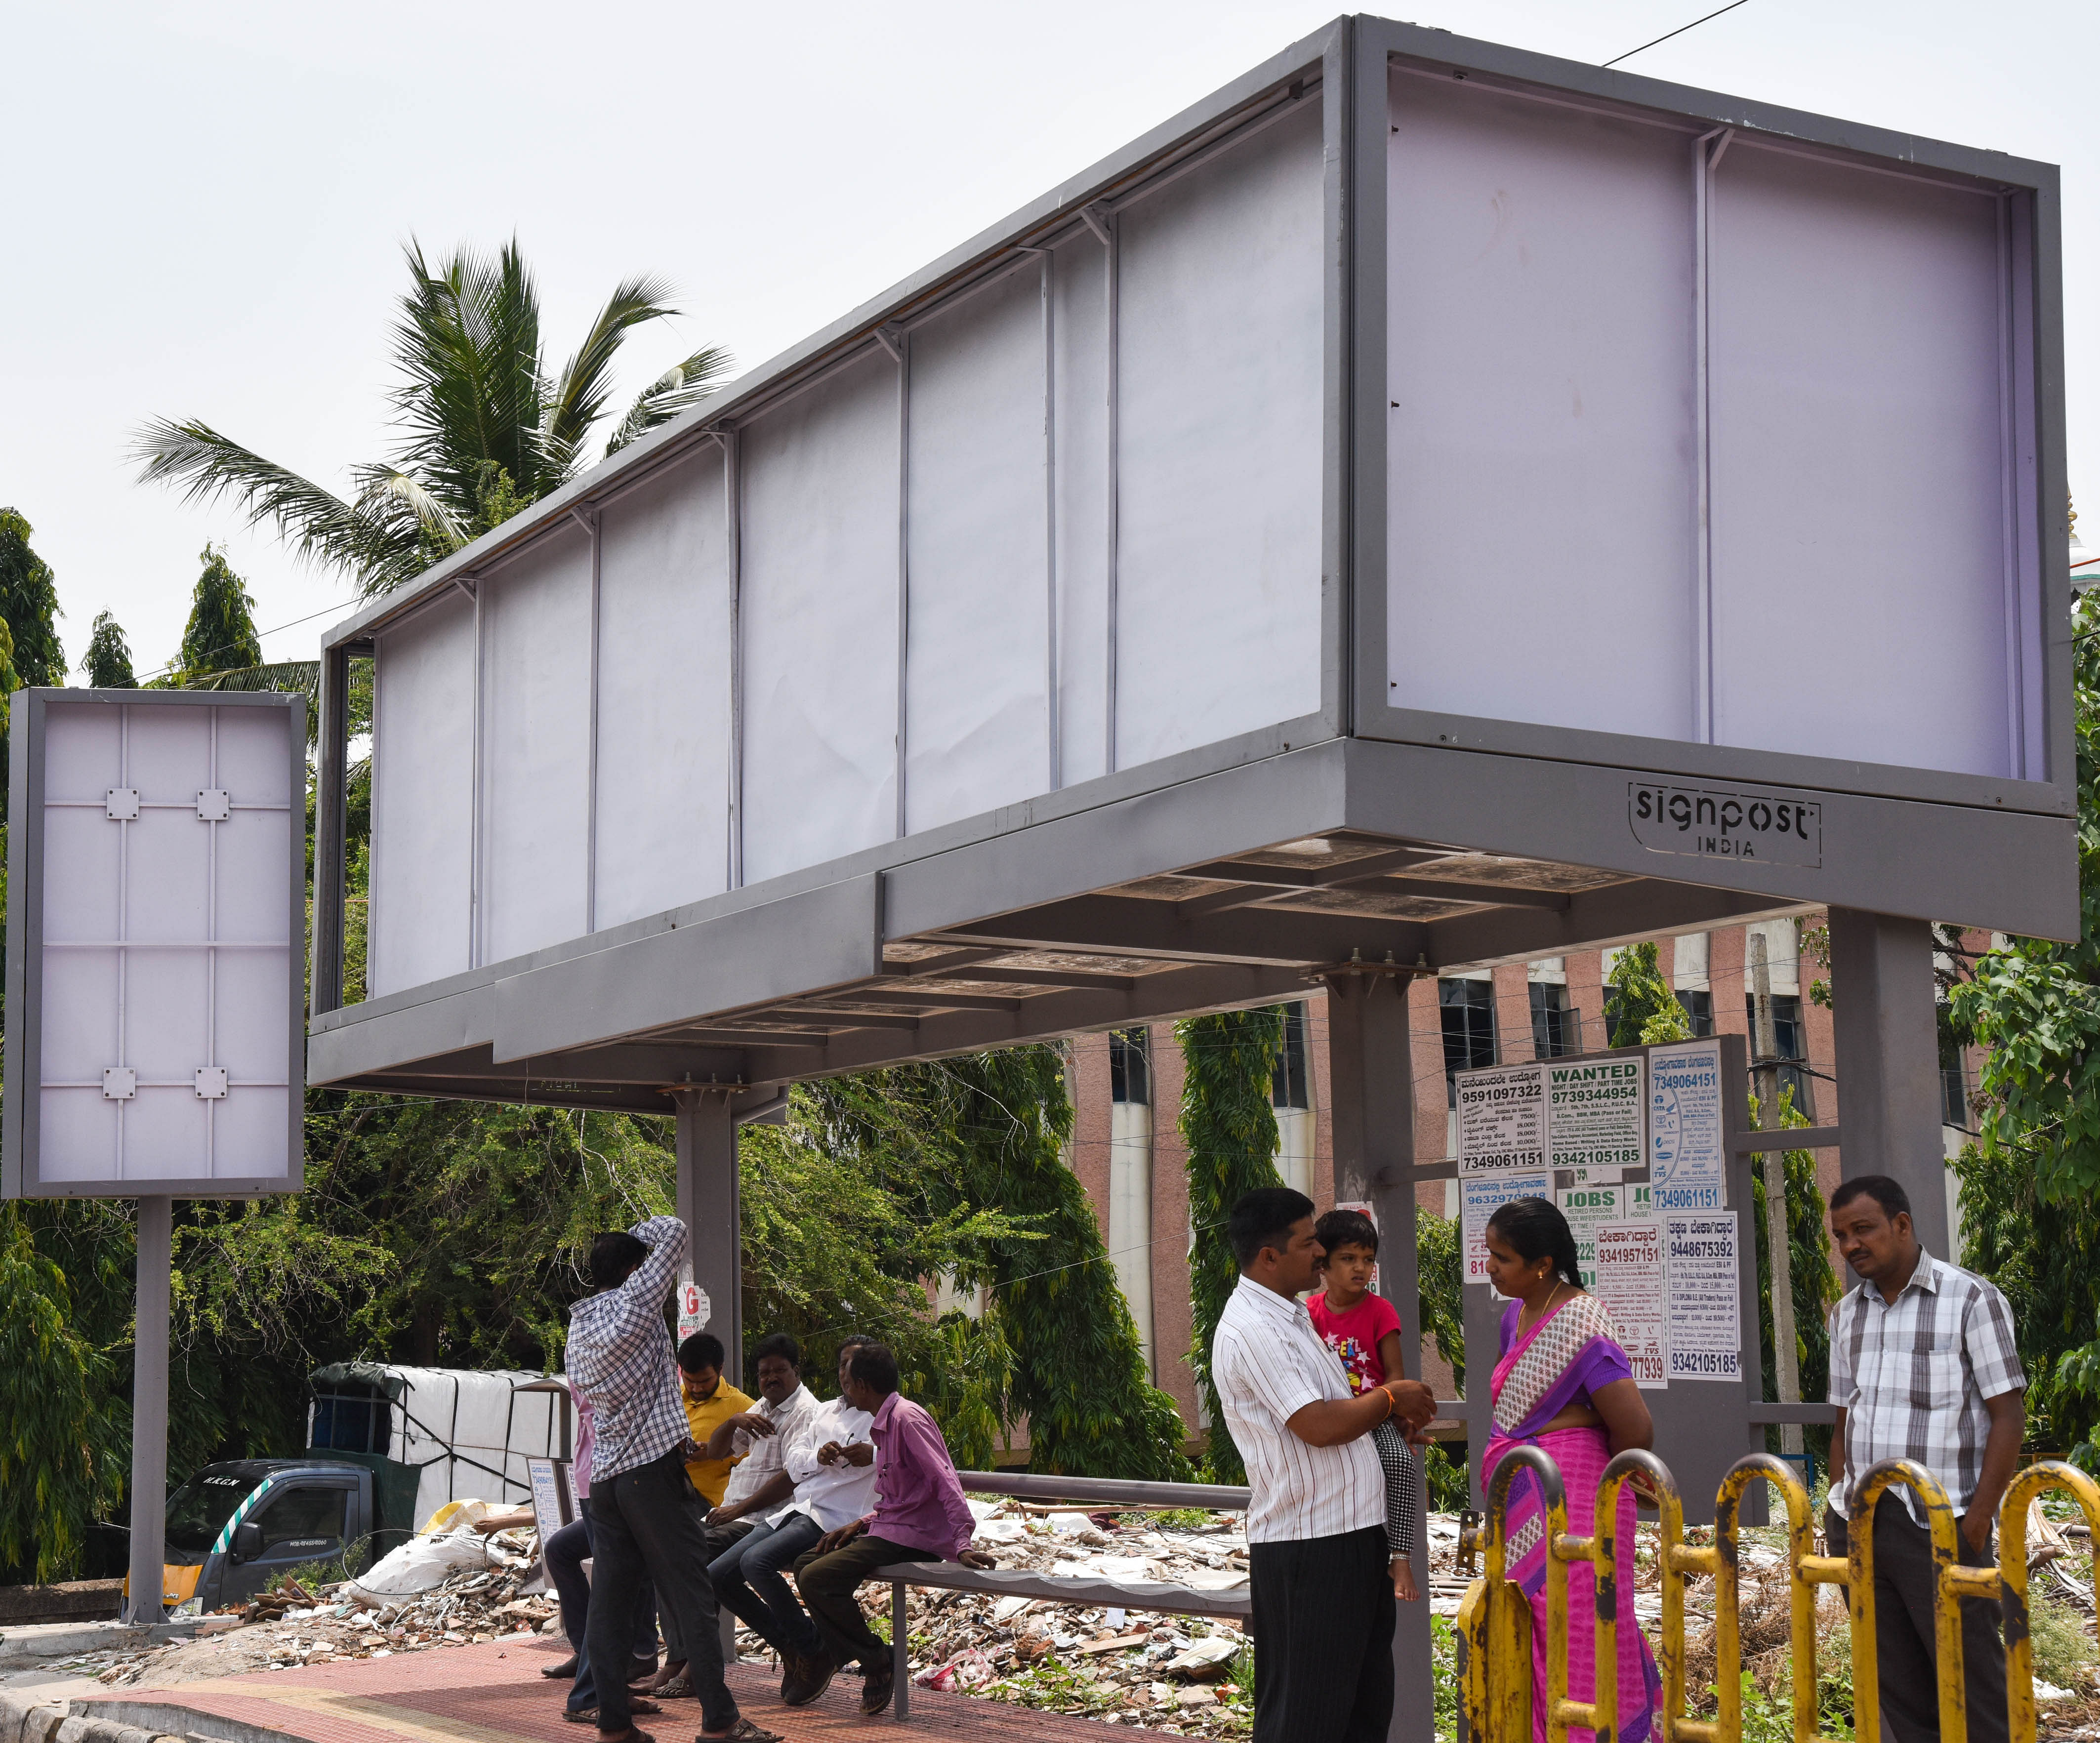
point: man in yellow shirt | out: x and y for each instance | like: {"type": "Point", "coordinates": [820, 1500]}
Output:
{"type": "Point", "coordinates": [710, 1400]}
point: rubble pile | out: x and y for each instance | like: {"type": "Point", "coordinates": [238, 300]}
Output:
{"type": "Point", "coordinates": [291, 1625]}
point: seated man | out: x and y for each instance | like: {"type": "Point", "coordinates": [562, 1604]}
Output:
{"type": "Point", "coordinates": [710, 1400]}
{"type": "Point", "coordinates": [758, 1439]}
{"type": "Point", "coordinates": [748, 1577]}
{"type": "Point", "coordinates": [919, 1516]}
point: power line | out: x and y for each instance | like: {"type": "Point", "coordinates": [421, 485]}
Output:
{"type": "Point", "coordinates": [1678, 32]}
{"type": "Point", "coordinates": [326, 611]}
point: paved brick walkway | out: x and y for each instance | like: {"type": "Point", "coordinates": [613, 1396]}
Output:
{"type": "Point", "coordinates": [493, 1693]}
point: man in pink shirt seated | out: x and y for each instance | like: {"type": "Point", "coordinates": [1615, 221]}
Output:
{"type": "Point", "coordinates": [919, 1516]}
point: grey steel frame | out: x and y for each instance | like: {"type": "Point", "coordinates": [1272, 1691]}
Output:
{"type": "Point", "coordinates": [1922, 844]}
{"type": "Point", "coordinates": [19, 1175]}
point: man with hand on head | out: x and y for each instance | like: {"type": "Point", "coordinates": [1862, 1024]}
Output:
{"type": "Point", "coordinates": [830, 1491]}
{"type": "Point", "coordinates": [645, 1513]}
{"type": "Point", "coordinates": [919, 1515]}
{"type": "Point", "coordinates": [1323, 1602]}
{"type": "Point", "coordinates": [1923, 1366]}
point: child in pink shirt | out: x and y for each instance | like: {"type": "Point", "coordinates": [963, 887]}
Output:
{"type": "Point", "coordinates": [1363, 1330]}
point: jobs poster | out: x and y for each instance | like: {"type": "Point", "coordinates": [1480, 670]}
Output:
{"type": "Point", "coordinates": [1595, 1110]}
{"type": "Point", "coordinates": [1501, 1120]}
{"type": "Point", "coordinates": [1587, 1207]}
{"type": "Point", "coordinates": [1706, 1334]}
{"type": "Point", "coordinates": [1685, 1151]}
{"type": "Point", "coordinates": [1630, 1282]}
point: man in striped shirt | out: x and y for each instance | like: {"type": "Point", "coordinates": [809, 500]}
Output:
{"type": "Point", "coordinates": [646, 1516]}
{"type": "Point", "coordinates": [1923, 1366]}
{"type": "Point", "coordinates": [1323, 1603]}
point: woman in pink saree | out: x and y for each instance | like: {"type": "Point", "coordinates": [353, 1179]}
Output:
{"type": "Point", "coordinates": [1565, 1385]}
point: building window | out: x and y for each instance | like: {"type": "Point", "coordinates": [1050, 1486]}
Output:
{"type": "Point", "coordinates": [1789, 1043]}
{"type": "Point", "coordinates": [1130, 1066]}
{"type": "Point", "coordinates": [1467, 1009]}
{"type": "Point", "coordinates": [1556, 1026]}
{"type": "Point", "coordinates": [1698, 1010]}
{"type": "Point", "coordinates": [1291, 1086]}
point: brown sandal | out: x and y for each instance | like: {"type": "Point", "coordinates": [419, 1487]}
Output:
{"type": "Point", "coordinates": [743, 1730]}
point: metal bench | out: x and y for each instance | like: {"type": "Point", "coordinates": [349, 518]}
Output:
{"type": "Point", "coordinates": [1080, 1591]}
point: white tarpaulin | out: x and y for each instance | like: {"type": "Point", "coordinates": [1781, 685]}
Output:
{"type": "Point", "coordinates": [469, 1434]}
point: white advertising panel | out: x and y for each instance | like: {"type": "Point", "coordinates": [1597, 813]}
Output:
{"type": "Point", "coordinates": [156, 944]}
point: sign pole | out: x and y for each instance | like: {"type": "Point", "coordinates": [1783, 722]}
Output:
{"type": "Point", "coordinates": [1778, 1237]}
{"type": "Point", "coordinates": [149, 1410]}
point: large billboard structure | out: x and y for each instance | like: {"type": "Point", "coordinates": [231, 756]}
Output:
{"type": "Point", "coordinates": [1339, 536]}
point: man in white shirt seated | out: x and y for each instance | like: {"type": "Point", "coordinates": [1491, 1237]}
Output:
{"type": "Point", "coordinates": [757, 1438]}
{"type": "Point", "coordinates": [749, 1578]}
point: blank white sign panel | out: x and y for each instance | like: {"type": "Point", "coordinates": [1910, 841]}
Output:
{"type": "Point", "coordinates": [536, 746]}
{"type": "Point", "coordinates": [977, 719]}
{"type": "Point", "coordinates": [819, 618]}
{"type": "Point", "coordinates": [169, 965]}
{"type": "Point", "coordinates": [1221, 335]}
{"type": "Point", "coordinates": [1860, 488]}
{"type": "Point", "coordinates": [1543, 494]}
{"type": "Point", "coordinates": [663, 696]}
{"type": "Point", "coordinates": [422, 798]}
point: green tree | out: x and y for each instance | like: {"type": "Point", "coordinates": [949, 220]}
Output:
{"type": "Point", "coordinates": [2029, 1182]}
{"type": "Point", "coordinates": [107, 664]}
{"type": "Point", "coordinates": [488, 426]}
{"type": "Point", "coordinates": [1640, 1009]}
{"type": "Point", "coordinates": [220, 635]}
{"type": "Point", "coordinates": [29, 608]}
{"type": "Point", "coordinates": [1228, 1123]}
{"type": "Point", "coordinates": [985, 1133]}
{"type": "Point", "coordinates": [55, 1474]}
{"type": "Point", "coordinates": [29, 603]}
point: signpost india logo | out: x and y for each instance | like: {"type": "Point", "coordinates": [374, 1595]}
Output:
{"type": "Point", "coordinates": [1726, 822]}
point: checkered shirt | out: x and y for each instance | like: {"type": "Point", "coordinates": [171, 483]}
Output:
{"type": "Point", "coordinates": [619, 1353]}
{"type": "Point", "coordinates": [1912, 1378]}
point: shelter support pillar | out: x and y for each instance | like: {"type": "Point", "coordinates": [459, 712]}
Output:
{"type": "Point", "coordinates": [1888, 1060]}
{"type": "Point", "coordinates": [1372, 1077]}
{"type": "Point", "coordinates": [149, 1410]}
{"type": "Point", "coordinates": [707, 1206]}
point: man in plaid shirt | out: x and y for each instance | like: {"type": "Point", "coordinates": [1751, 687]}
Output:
{"type": "Point", "coordinates": [1923, 1366]}
{"type": "Point", "coordinates": [646, 1516]}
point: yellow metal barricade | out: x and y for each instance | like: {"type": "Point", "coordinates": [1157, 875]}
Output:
{"type": "Point", "coordinates": [1494, 1623]}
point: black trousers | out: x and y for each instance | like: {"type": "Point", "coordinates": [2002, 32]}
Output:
{"type": "Point", "coordinates": [645, 1522]}
{"type": "Point", "coordinates": [1904, 1636]}
{"type": "Point", "coordinates": [1323, 1622]}
{"type": "Point", "coordinates": [829, 1583]}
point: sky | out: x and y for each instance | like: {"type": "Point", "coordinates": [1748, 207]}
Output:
{"type": "Point", "coordinates": [206, 204]}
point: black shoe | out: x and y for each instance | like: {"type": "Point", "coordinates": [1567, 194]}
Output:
{"type": "Point", "coordinates": [565, 1668]}
{"type": "Point", "coordinates": [807, 1675]}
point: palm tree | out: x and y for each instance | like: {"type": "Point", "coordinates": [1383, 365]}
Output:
{"type": "Point", "coordinates": [487, 429]}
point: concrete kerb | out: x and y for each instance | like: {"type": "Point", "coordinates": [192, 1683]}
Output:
{"type": "Point", "coordinates": [25, 1719]}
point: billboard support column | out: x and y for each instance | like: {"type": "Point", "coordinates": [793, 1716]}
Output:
{"type": "Point", "coordinates": [1888, 1060]}
{"type": "Point", "coordinates": [149, 1410]}
{"type": "Point", "coordinates": [707, 1206]}
{"type": "Point", "coordinates": [1373, 1075]}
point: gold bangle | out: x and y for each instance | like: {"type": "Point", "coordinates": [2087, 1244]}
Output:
{"type": "Point", "coordinates": [1389, 1408]}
